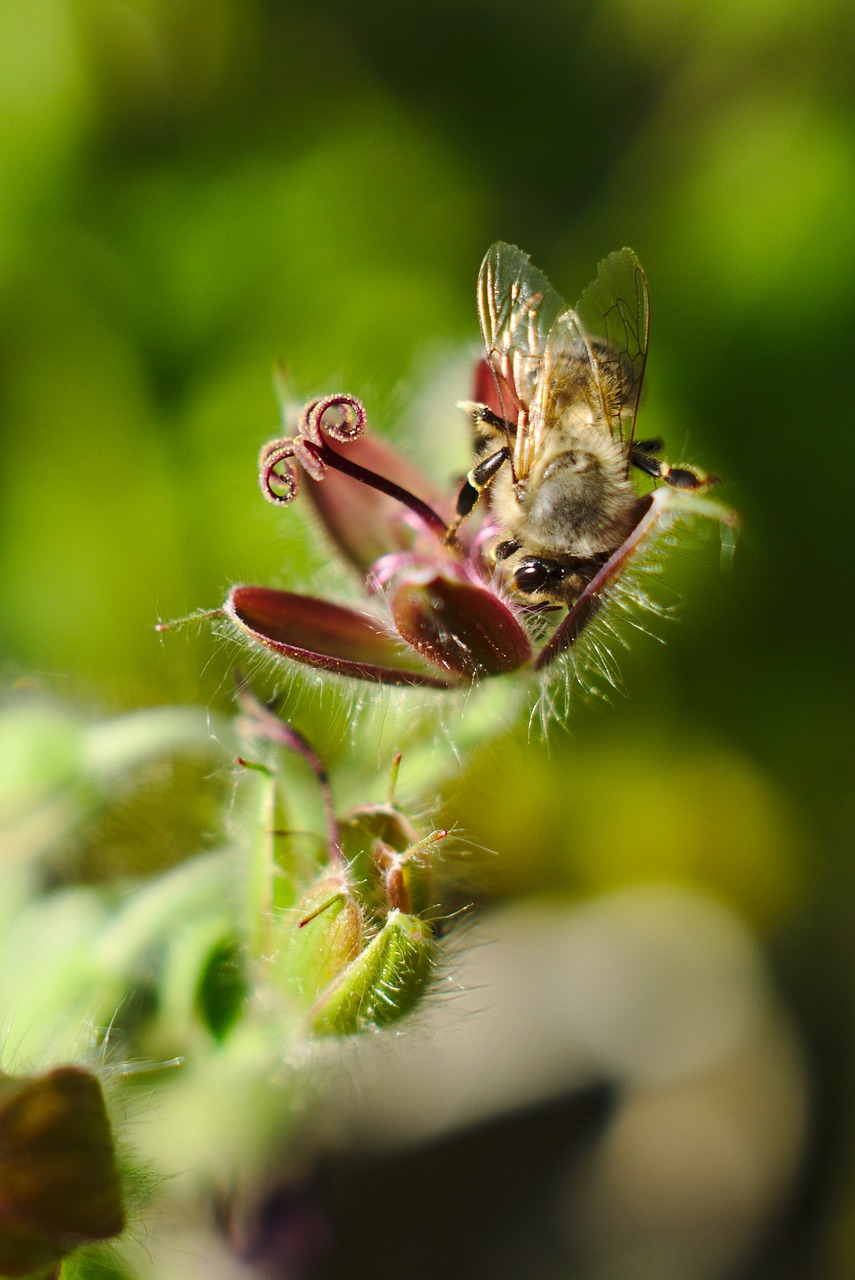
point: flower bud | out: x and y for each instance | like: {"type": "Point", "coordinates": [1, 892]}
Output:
{"type": "Point", "coordinates": [59, 1187]}
{"type": "Point", "coordinates": [392, 865]}
{"type": "Point", "coordinates": [317, 940]}
{"type": "Point", "coordinates": [383, 983]}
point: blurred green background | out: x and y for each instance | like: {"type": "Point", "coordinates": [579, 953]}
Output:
{"type": "Point", "coordinates": [192, 189]}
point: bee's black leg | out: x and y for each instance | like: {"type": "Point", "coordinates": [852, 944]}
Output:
{"type": "Point", "coordinates": [479, 478]}
{"type": "Point", "coordinates": [505, 549]}
{"type": "Point", "coordinates": [647, 447]}
{"type": "Point", "coordinates": [474, 485]}
{"type": "Point", "coordinates": [642, 456]}
{"type": "Point", "coordinates": [482, 416]}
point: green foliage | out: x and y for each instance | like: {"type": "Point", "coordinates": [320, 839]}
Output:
{"type": "Point", "coordinates": [191, 191]}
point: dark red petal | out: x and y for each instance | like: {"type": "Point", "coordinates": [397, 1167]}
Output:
{"type": "Point", "coordinates": [329, 636]}
{"type": "Point", "coordinates": [363, 523]}
{"type": "Point", "coordinates": [595, 594]}
{"type": "Point", "coordinates": [659, 512]}
{"type": "Point", "coordinates": [465, 629]}
{"type": "Point", "coordinates": [494, 390]}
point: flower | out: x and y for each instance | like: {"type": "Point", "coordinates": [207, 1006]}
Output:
{"type": "Point", "coordinates": [436, 612]}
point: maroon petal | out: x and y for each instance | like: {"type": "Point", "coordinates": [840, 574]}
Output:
{"type": "Point", "coordinates": [329, 636]}
{"type": "Point", "coordinates": [362, 522]}
{"type": "Point", "coordinates": [465, 629]}
{"type": "Point", "coordinates": [595, 594]}
{"type": "Point", "coordinates": [494, 390]}
{"type": "Point", "coordinates": [659, 511]}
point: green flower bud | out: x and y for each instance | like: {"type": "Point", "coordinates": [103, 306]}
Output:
{"type": "Point", "coordinates": [388, 861]}
{"type": "Point", "coordinates": [383, 983]}
{"type": "Point", "coordinates": [355, 950]}
{"type": "Point", "coordinates": [368, 836]}
{"type": "Point", "coordinates": [318, 940]}
{"type": "Point", "coordinates": [59, 1186]}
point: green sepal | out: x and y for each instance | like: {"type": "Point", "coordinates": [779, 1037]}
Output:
{"type": "Point", "coordinates": [388, 861]}
{"type": "Point", "coordinates": [383, 983]}
{"type": "Point", "coordinates": [363, 832]}
{"type": "Point", "coordinates": [317, 939]}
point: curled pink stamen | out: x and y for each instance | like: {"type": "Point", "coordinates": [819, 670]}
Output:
{"type": "Point", "coordinates": [309, 456]}
{"type": "Point", "coordinates": [341, 417]}
{"type": "Point", "coordinates": [278, 477]}
{"type": "Point", "coordinates": [309, 426]}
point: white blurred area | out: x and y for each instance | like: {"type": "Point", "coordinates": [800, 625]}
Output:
{"type": "Point", "coordinates": [663, 992]}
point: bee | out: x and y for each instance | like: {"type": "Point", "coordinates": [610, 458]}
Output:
{"type": "Point", "coordinates": [556, 462]}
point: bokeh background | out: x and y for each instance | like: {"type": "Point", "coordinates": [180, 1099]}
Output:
{"type": "Point", "coordinates": [193, 189]}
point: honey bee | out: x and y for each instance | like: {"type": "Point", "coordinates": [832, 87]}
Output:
{"type": "Point", "coordinates": [556, 461]}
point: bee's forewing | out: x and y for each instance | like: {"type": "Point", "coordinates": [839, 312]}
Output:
{"type": "Point", "coordinates": [569, 391]}
{"type": "Point", "coordinates": [517, 307]}
{"type": "Point", "coordinates": [615, 314]}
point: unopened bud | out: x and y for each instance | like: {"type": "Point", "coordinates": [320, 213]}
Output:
{"type": "Point", "coordinates": [59, 1186]}
{"type": "Point", "coordinates": [317, 940]}
{"type": "Point", "coordinates": [383, 983]}
{"type": "Point", "coordinates": [392, 865]}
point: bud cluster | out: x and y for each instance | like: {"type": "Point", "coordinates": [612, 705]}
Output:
{"type": "Point", "coordinates": [356, 948]}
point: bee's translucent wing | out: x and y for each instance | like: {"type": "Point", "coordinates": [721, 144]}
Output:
{"type": "Point", "coordinates": [570, 391]}
{"type": "Point", "coordinates": [615, 314]}
{"type": "Point", "coordinates": [517, 307]}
